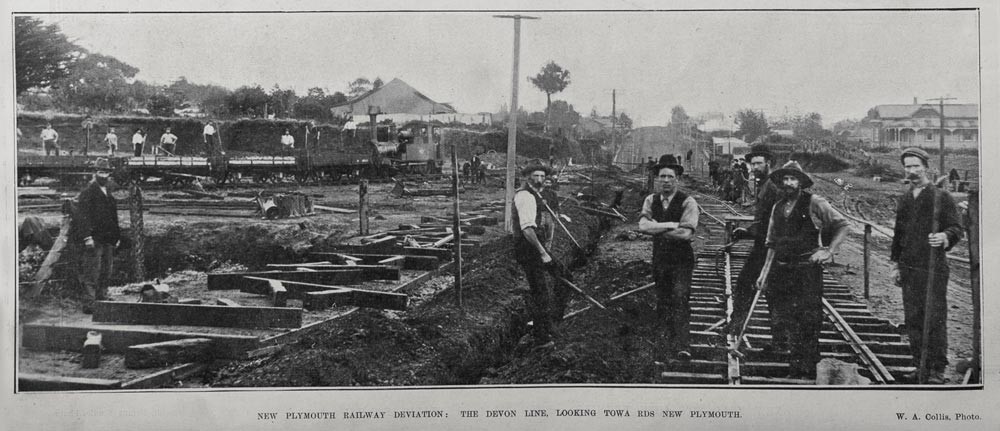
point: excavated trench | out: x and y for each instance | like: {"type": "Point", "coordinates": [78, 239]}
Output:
{"type": "Point", "coordinates": [434, 342]}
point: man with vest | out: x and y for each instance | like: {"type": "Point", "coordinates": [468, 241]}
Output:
{"type": "Point", "coordinates": [767, 195]}
{"type": "Point", "coordinates": [792, 275]}
{"type": "Point", "coordinates": [111, 140]}
{"type": "Point", "coordinates": [533, 229]}
{"type": "Point", "coordinates": [671, 217]}
{"type": "Point", "coordinates": [913, 241]}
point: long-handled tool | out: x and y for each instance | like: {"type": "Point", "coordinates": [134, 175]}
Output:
{"type": "Point", "coordinates": [735, 348]}
{"type": "Point", "coordinates": [929, 294]}
{"type": "Point", "coordinates": [570, 284]}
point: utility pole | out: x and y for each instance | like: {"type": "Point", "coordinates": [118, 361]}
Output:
{"type": "Point", "coordinates": [941, 128]}
{"type": "Point", "coordinates": [614, 120]}
{"type": "Point", "coordinates": [512, 123]}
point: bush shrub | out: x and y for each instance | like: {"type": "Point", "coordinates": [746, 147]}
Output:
{"type": "Point", "coordinates": [819, 162]}
{"type": "Point", "coordinates": [868, 170]}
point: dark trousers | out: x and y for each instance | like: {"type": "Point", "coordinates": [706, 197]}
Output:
{"type": "Point", "coordinates": [94, 272]}
{"type": "Point", "coordinates": [745, 289]}
{"type": "Point", "coordinates": [673, 312]}
{"type": "Point", "coordinates": [50, 146]}
{"type": "Point", "coordinates": [795, 299]}
{"type": "Point", "coordinates": [914, 281]}
{"type": "Point", "coordinates": [138, 149]}
{"type": "Point", "coordinates": [546, 303]}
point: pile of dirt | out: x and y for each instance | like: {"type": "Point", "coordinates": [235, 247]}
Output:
{"type": "Point", "coordinates": [433, 343]}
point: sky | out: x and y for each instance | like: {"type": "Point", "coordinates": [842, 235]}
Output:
{"type": "Point", "coordinates": [839, 63]}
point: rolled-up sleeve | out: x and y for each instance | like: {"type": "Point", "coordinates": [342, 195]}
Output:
{"type": "Point", "coordinates": [831, 219]}
{"type": "Point", "coordinates": [524, 203]}
{"type": "Point", "coordinates": [647, 208]}
{"type": "Point", "coordinates": [689, 218]}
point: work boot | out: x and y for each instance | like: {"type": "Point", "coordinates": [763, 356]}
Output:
{"type": "Point", "coordinates": [88, 307]}
{"type": "Point", "coordinates": [936, 378]}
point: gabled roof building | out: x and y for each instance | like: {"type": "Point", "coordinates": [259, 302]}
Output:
{"type": "Point", "coordinates": [920, 125]}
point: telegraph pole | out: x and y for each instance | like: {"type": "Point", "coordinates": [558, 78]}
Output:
{"type": "Point", "coordinates": [941, 128]}
{"type": "Point", "coordinates": [614, 120]}
{"type": "Point", "coordinates": [512, 123]}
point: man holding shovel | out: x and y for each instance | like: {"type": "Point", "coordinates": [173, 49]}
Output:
{"type": "Point", "coordinates": [793, 273]}
{"type": "Point", "coordinates": [533, 228]}
{"type": "Point", "coordinates": [671, 217]}
{"type": "Point", "coordinates": [927, 225]}
{"type": "Point", "coordinates": [743, 294]}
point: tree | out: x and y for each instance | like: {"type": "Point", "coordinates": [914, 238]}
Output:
{"type": "Point", "coordinates": [678, 117]}
{"type": "Point", "coordinates": [42, 54]}
{"type": "Point", "coordinates": [100, 82]}
{"type": "Point", "coordinates": [160, 105]}
{"type": "Point", "coordinates": [247, 101]}
{"type": "Point", "coordinates": [752, 124]}
{"type": "Point", "coordinates": [550, 80]}
{"type": "Point", "coordinates": [358, 87]}
{"type": "Point", "coordinates": [282, 101]}
{"type": "Point", "coordinates": [377, 83]}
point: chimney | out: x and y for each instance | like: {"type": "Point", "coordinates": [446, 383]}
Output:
{"type": "Point", "coordinates": [915, 100]}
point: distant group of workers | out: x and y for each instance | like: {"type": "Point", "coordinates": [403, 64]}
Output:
{"type": "Point", "coordinates": [167, 143]}
{"type": "Point", "coordinates": [474, 170]}
{"type": "Point", "coordinates": [794, 231]}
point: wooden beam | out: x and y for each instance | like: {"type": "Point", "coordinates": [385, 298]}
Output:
{"type": "Point", "coordinates": [30, 382]}
{"type": "Point", "coordinates": [117, 339]}
{"type": "Point", "coordinates": [92, 350]}
{"type": "Point", "coordinates": [197, 315]}
{"type": "Point", "coordinates": [425, 263]}
{"type": "Point", "coordinates": [168, 352]}
{"type": "Point", "coordinates": [164, 377]}
{"type": "Point", "coordinates": [357, 297]}
{"type": "Point", "coordinates": [324, 298]}
{"type": "Point", "coordinates": [279, 295]}
{"type": "Point", "coordinates": [235, 280]}
{"type": "Point", "coordinates": [227, 302]}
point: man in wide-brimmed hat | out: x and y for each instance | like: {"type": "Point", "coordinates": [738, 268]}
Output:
{"type": "Point", "coordinates": [792, 276]}
{"type": "Point", "coordinates": [913, 241]}
{"type": "Point", "coordinates": [671, 217]}
{"type": "Point", "coordinates": [767, 195]}
{"type": "Point", "coordinates": [533, 232]}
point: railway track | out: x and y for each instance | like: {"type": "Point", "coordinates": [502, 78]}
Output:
{"type": "Point", "coordinates": [851, 333]}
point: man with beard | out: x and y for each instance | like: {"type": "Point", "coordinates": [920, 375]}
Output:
{"type": "Point", "coordinates": [913, 241]}
{"type": "Point", "coordinates": [533, 231]}
{"type": "Point", "coordinates": [743, 291]}
{"type": "Point", "coordinates": [792, 274]}
{"type": "Point", "coordinates": [96, 226]}
{"type": "Point", "coordinates": [671, 217]}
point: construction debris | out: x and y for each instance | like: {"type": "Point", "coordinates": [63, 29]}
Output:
{"type": "Point", "coordinates": [168, 353]}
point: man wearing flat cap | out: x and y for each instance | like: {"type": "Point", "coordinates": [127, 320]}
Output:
{"type": "Point", "coordinates": [792, 275]}
{"type": "Point", "coordinates": [533, 229]}
{"type": "Point", "coordinates": [96, 226]}
{"type": "Point", "coordinates": [671, 217]}
{"type": "Point", "coordinates": [914, 239]}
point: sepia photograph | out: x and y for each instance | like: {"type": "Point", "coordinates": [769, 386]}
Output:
{"type": "Point", "coordinates": [624, 215]}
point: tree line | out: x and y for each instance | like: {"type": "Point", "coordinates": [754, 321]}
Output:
{"type": "Point", "coordinates": [54, 73]}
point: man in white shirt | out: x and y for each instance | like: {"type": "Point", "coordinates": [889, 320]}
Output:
{"type": "Point", "coordinates": [287, 142]}
{"type": "Point", "coordinates": [168, 141]}
{"type": "Point", "coordinates": [207, 136]}
{"type": "Point", "coordinates": [533, 227]}
{"type": "Point", "coordinates": [138, 141]}
{"type": "Point", "coordinates": [50, 140]}
{"type": "Point", "coordinates": [111, 140]}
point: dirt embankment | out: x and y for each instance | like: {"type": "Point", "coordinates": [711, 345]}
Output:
{"type": "Point", "coordinates": [433, 343]}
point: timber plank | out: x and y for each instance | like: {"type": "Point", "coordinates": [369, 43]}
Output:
{"type": "Point", "coordinates": [425, 263]}
{"type": "Point", "coordinates": [168, 352]}
{"type": "Point", "coordinates": [197, 315]}
{"type": "Point", "coordinates": [237, 280]}
{"type": "Point", "coordinates": [356, 297]}
{"type": "Point", "coordinates": [117, 340]}
{"type": "Point", "coordinates": [43, 382]}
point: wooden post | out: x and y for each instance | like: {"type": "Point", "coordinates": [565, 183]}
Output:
{"type": "Point", "coordinates": [929, 294]}
{"type": "Point", "coordinates": [363, 207]}
{"type": "Point", "coordinates": [138, 238]}
{"type": "Point", "coordinates": [457, 229]}
{"type": "Point", "coordinates": [977, 343]}
{"type": "Point", "coordinates": [868, 237]}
